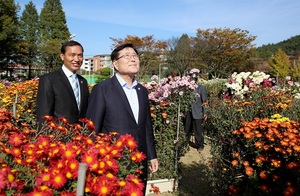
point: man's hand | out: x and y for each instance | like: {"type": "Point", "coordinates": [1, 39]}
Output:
{"type": "Point", "coordinates": [154, 165]}
{"type": "Point", "coordinates": [205, 117]}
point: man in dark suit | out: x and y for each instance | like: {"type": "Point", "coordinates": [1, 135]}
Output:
{"type": "Point", "coordinates": [120, 104]}
{"type": "Point", "coordinates": [55, 93]}
{"type": "Point", "coordinates": [196, 118]}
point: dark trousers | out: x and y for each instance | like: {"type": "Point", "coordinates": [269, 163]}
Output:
{"type": "Point", "coordinates": [198, 132]}
{"type": "Point", "coordinates": [197, 127]}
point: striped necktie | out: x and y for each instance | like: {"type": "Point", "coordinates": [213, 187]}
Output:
{"type": "Point", "coordinates": [75, 88]}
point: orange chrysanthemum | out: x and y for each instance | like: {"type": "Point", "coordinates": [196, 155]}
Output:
{"type": "Point", "coordinates": [249, 171]}
{"type": "Point", "coordinates": [234, 163]}
{"type": "Point", "coordinates": [263, 175]}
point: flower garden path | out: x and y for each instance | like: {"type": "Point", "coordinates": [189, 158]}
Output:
{"type": "Point", "coordinates": [193, 181]}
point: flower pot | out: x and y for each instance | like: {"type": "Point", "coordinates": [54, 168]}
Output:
{"type": "Point", "coordinates": [164, 185]}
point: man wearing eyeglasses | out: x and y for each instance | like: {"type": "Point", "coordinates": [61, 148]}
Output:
{"type": "Point", "coordinates": [120, 104]}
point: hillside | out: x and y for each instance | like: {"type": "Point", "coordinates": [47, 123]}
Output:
{"type": "Point", "coordinates": [290, 46]}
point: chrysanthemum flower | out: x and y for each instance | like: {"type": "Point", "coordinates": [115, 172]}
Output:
{"type": "Point", "coordinates": [89, 158]}
{"type": "Point", "coordinates": [132, 189]}
{"type": "Point", "coordinates": [64, 120]}
{"type": "Point", "coordinates": [234, 162]}
{"type": "Point", "coordinates": [116, 151]}
{"type": "Point", "coordinates": [43, 179]}
{"type": "Point", "coordinates": [72, 166]}
{"type": "Point", "coordinates": [112, 164]}
{"type": "Point", "coordinates": [16, 139]}
{"type": "Point", "coordinates": [249, 171]}
{"type": "Point", "coordinates": [102, 150]}
{"type": "Point", "coordinates": [137, 157]}
{"type": "Point", "coordinates": [103, 187]}
{"type": "Point", "coordinates": [43, 142]}
{"type": "Point", "coordinates": [39, 193]}
{"type": "Point", "coordinates": [16, 152]}
{"type": "Point", "coordinates": [135, 180]}
{"type": "Point", "coordinates": [69, 152]}
{"type": "Point", "coordinates": [54, 151]}
{"type": "Point", "coordinates": [47, 117]}
{"type": "Point", "coordinates": [263, 175]}
{"type": "Point", "coordinates": [58, 180]}
{"type": "Point", "coordinates": [129, 141]}
{"type": "Point", "coordinates": [122, 183]}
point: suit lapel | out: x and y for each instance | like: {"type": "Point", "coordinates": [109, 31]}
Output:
{"type": "Point", "coordinates": [141, 102]}
{"type": "Point", "coordinates": [65, 81]}
{"type": "Point", "coordinates": [119, 92]}
{"type": "Point", "coordinates": [81, 86]}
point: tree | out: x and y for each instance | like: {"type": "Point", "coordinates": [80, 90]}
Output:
{"type": "Point", "coordinates": [183, 53]}
{"type": "Point", "coordinates": [280, 64]}
{"type": "Point", "coordinates": [29, 35]}
{"type": "Point", "coordinates": [296, 70]}
{"type": "Point", "coordinates": [152, 52]}
{"type": "Point", "coordinates": [224, 50]}
{"type": "Point", "coordinates": [8, 32]}
{"type": "Point", "coordinates": [53, 32]}
{"type": "Point", "coordinates": [290, 46]}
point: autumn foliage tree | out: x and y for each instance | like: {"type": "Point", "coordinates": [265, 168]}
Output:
{"type": "Point", "coordinates": [151, 52]}
{"type": "Point", "coordinates": [225, 50]}
{"type": "Point", "coordinates": [296, 70]}
{"type": "Point", "coordinates": [280, 64]}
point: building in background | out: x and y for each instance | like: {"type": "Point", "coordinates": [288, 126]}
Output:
{"type": "Point", "coordinates": [96, 63]}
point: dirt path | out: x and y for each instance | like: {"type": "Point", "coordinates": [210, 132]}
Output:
{"type": "Point", "coordinates": [193, 181]}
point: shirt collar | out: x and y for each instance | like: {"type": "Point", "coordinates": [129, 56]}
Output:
{"type": "Point", "coordinates": [66, 71]}
{"type": "Point", "coordinates": [123, 83]}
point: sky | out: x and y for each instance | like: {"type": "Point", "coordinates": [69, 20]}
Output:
{"type": "Point", "coordinates": [94, 22]}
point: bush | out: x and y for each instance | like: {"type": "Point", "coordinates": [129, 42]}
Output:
{"type": "Point", "coordinates": [46, 161]}
{"type": "Point", "coordinates": [243, 153]}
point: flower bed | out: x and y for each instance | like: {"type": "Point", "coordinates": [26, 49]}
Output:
{"type": "Point", "coordinates": [254, 140]}
{"type": "Point", "coordinates": [169, 101]}
{"type": "Point", "coordinates": [46, 162]}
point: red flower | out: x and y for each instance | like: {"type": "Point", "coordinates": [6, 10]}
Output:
{"type": "Point", "coordinates": [58, 180]}
{"type": "Point", "coordinates": [129, 141]}
{"type": "Point", "coordinates": [16, 139]}
{"type": "Point", "coordinates": [69, 152]}
{"type": "Point", "coordinates": [135, 180]}
{"type": "Point", "coordinates": [137, 157]}
{"type": "Point", "coordinates": [16, 152]}
{"type": "Point", "coordinates": [43, 179]}
{"type": "Point", "coordinates": [89, 158]}
{"type": "Point", "coordinates": [103, 186]}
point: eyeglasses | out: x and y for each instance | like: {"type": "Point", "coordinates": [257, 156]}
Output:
{"type": "Point", "coordinates": [128, 56]}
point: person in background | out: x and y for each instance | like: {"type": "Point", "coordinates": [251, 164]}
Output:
{"type": "Point", "coordinates": [64, 93]}
{"type": "Point", "coordinates": [120, 104]}
{"type": "Point", "coordinates": [197, 116]}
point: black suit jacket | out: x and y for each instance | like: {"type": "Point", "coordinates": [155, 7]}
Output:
{"type": "Point", "coordinates": [110, 111]}
{"type": "Point", "coordinates": [56, 97]}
